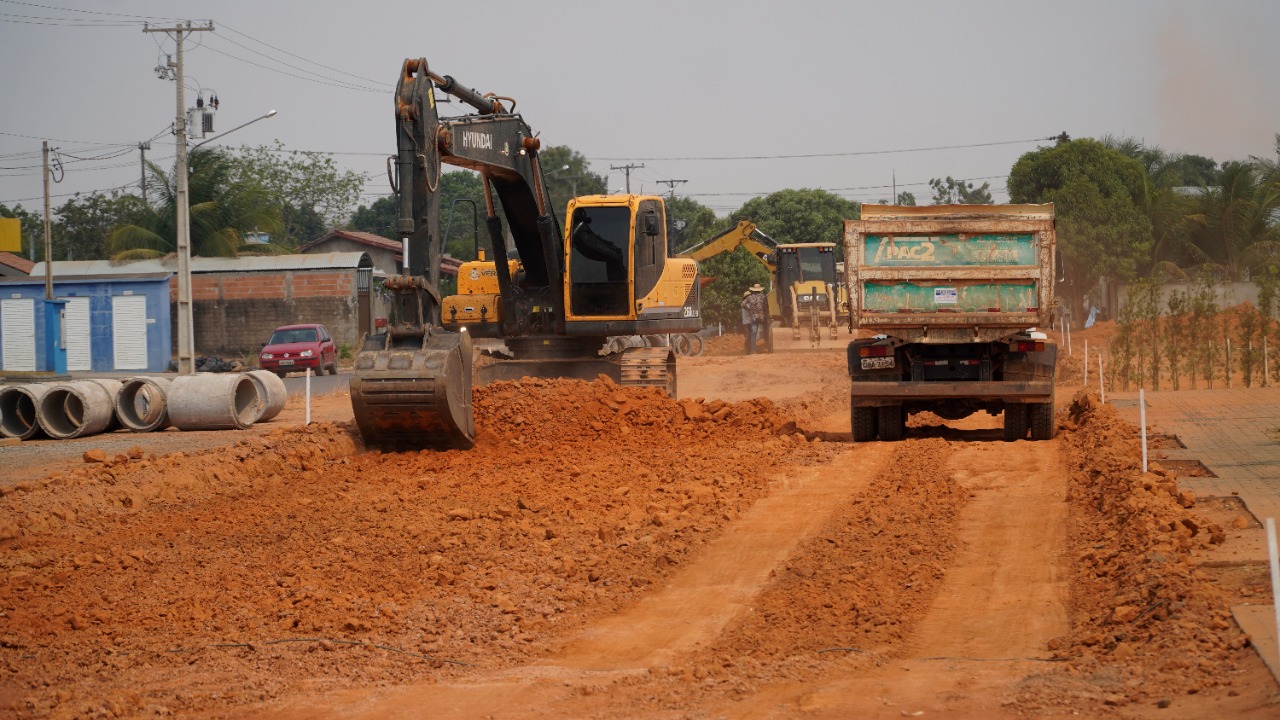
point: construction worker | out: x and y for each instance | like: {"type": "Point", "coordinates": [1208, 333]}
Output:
{"type": "Point", "coordinates": [755, 314]}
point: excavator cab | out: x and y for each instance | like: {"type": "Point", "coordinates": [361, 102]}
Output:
{"type": "Point", "coordinates": [617, 265]}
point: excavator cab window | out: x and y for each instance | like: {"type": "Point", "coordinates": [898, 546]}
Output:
{"type": "Point", "coordinates": [817, 263]}
{"type": "Point", "coordinates": [599, 261]}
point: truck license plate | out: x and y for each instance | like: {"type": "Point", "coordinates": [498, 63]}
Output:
{"type": "Point", "coordinates": [877, 363]}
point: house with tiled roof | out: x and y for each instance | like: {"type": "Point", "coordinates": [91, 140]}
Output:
{"type": "Point", "coordinates": [14, 265]}
{"type": "Point", "coordinates": [386, 254]}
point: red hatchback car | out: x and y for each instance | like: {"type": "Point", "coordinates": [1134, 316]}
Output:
{"type": "Point", "coordinates": [298, 347]}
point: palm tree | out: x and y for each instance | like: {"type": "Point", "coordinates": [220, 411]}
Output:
{"type": "Point", "coordinates": [221, 211]}
{"type": "Point", "coordinates": [1234, 230]}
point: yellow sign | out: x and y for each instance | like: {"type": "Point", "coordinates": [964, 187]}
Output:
{"type": "Point", "coordinates": [10, 235]}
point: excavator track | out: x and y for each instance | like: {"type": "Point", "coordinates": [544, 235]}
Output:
{"type": "Point", "coordinates": [650, 366]}
{"type": "Point", "coordinates": [407, 396]}
{"type": "Point", "coordinates": [641, 367]}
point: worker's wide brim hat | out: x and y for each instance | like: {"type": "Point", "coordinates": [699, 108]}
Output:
{"type": "Point", "coordinates": [756, 288]}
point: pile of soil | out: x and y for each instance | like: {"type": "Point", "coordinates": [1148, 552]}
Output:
{"type": "Point", "coordinates": [141, 584]}
{"type": "Point", "coordinates": [1147, 624]}
{"type": "Point", "coordinates": [295, 563]}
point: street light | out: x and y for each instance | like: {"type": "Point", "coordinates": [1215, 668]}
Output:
{"type": "Point", "coordinates": [186, 325]}
{"type": "Point", "coordinates": [271, 113]}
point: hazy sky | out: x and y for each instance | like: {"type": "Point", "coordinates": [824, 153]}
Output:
{"type": "Point", "coordinates": [736, 98]}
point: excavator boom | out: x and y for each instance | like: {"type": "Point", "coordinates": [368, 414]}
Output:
{"type": "Point", "coordinates": [551, 297]}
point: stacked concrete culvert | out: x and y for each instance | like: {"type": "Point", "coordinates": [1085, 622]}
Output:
{"type": "Point", "coordinates": [272, 393]}
{"type": "Point", "coordinates": [19, 408]}
{"type": "Point", "coordinates": [142, 404]}
{"type": "Point", "coordinates": [213, 401]}
{"type": "Point", "coordinates": [77, 408]}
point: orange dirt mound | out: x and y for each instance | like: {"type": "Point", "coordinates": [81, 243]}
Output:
{"type": "Point", "coordinates": [182, 583]}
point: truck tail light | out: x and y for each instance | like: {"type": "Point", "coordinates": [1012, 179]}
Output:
{"type": "Point", "coordinates": [1028, 346]}
{"type": "Point", "coordinates": [873, 351]}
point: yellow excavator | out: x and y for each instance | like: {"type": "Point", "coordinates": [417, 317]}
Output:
{"type": "Point", "coordinates": [806, 287]}
{"type": "Point", "coordinates": [550, 298]}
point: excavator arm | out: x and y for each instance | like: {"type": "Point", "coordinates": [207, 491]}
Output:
{"type": "Point", "coordinates": [412, 382]}
{"type": "Point", "coordinates": [744, 234]}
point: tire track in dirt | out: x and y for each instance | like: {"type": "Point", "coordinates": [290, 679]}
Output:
{"type": "Point", "coordinates": [1004, 597]}
{"type": "Point", "coordinates": [687, 613]}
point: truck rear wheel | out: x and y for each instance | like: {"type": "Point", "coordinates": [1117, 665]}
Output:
{"type": "Point", "coordinates": [864, 424]}
{"type": "Point", "coordinates": [1042, 425]}
{"type": "Point", "coordinates": [1015, 422]}
{"type": "Point", "coordinates": [891, 423]}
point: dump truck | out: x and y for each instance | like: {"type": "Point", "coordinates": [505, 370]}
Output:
{"type": "Point", "coordinates": [949, 305]}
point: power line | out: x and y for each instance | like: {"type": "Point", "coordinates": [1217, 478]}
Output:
{"type": "Point", "coordinates": [823, 155]}
{"type": "Point", "coordinates": [299, 57]}
{"type": "Point", "coordinates": [60, 22]}
{"type": "Point", "coordinates": [333, 82]}
{"type": "Point", "coordinates": [75, 10]}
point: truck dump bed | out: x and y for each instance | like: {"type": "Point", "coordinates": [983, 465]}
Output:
{"type": "Point", "coordinates": [950, 273]}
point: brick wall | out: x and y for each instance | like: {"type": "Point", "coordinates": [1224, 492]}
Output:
{"type": "Point", "coordinates": [234, 313]}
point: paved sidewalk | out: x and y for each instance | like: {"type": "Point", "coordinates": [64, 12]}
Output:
{"type": "Point", "coordinates": [1233, 432]}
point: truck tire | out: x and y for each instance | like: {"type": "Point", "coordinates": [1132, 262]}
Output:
{"type": "Point", "coordinates": [864, 424]}
{"type": "Point", "coordinates": [1015, 422]}
{"type": "Point", "coordinates": [891, 423]}
{"type": "Point", "coordinates": [1041, 419]}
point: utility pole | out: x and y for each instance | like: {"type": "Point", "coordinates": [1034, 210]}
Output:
{"type": "Point", "coordinates": [186, 336]}
{"type": "Point", "coordinates": [672, 184]}
{"type": "Point", "coordinates": [48, 231]}
{"type": "Point", "coordinates": [627, 169]}
{"type": "Point", "coordinates": [143, 147]}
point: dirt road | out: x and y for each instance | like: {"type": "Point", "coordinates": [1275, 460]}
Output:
{"type": "Point", "coordinates": [608, 552]}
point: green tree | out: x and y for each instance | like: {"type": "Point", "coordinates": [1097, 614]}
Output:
{"type": "Point", "coordinates": [379, 217]}
{"type": "Point", "coordinates": [788, 216]}
{"type": "Point", "coordinates": [691, 222]}
{"type": "Point", "coordinates": [962, 192]}
{"type": "Point", "coordinates": [799, 216]}
{"type": "Point", "coordinates": [222, 209]}
{"type": "Point", "coordinates": [1193, 171]}
{"type": "Point", "coordinates": [909, 199]}
{"type": "Point", "coordinates": [462, 214]}
{"type": "Point", "coordinates": [308, 187]}
{"type": "Point", "coordinates": [1099, 196]}
{"type": "Point", "coordinates": [84, 221]}
{"type": "Point", "coordinates": [1232, 230]}
{"type": "Point", "coordinates": [568, 175]}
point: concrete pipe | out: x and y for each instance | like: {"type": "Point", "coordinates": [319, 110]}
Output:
{"type": "Point", "coordinates": [142, 405]}
{"type": "Point", "coordinates": [213, 401]}
{"type": "Point", "coordinates": [271, 391]}
{"type": "Point", "coordinates": [75, 409]}
{"type": "Point", "coordinates": [18, 410]}
{"type": "Point", "coordinates": [113, 389]}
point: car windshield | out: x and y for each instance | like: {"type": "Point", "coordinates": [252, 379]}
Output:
{"type": "Point", "coordinates": [293, 335]}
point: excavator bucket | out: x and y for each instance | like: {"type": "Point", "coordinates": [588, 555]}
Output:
{"type": "Point", "coordinates": [414, 392]}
